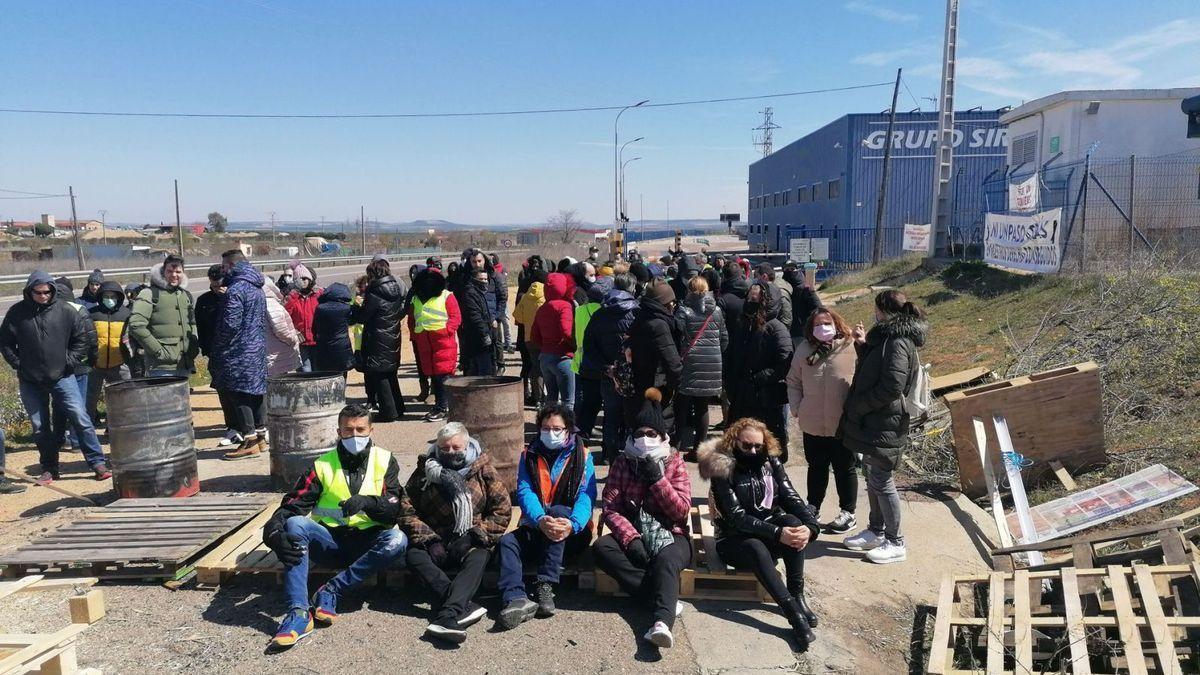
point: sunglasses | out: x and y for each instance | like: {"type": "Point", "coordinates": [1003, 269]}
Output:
{"type": "Point", "coordinates": [750, 447]}
{"type": "Point", "coordinates": [649, 433]}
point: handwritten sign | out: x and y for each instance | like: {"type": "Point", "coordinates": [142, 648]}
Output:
{"type": "Point", "coordinates": [1028, 243]}
{"type": "Point", "coordinates": [1023, 195]}
{"type": "Point", "coordinates": [916, 237]}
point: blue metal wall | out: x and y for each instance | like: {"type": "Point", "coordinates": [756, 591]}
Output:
{"type": "Point", "coordinates": [850, 149]}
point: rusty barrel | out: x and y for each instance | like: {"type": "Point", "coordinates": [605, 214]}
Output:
{"type": "Point", "coordinates": [302, 410]}
{"type": "Point", "coordinates": [492, 410]}
{"type": "Point", "coordinates": [152, 446]}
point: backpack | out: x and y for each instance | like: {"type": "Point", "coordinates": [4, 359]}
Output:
{"type": "Point", "coordinates": [919, 396]}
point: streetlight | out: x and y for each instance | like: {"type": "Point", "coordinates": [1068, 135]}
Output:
{"type": "Point", "coordinates": [617, 164]}
{"type": "Point", "coordinates": [103, 231]}
{"type": "Point", "coordinates": [620, 174]}
{"type": "Point", "coordinates": [622, 195]}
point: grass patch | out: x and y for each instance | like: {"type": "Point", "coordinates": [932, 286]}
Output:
{"type": "Point", "coordinates": [872, 276]}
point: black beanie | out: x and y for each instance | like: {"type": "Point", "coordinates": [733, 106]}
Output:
{"type": "Point", "coordinates": [650, 414]}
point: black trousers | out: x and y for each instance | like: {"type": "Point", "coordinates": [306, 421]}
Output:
{"type": "Point", "coordinates": [758, 555]}
{"type": "Point", "coordinates": [821, 453]}
{"type": "Point", "coordinates": [657, 584]}
{"type": "Point", "coordinates": [587, 404]}
{"type": "Point", "coordinates": [248, 411]}
{"type": "Point", "coordinates": [483, 363]}
{"type": "Point", "coordinates": [450, 595]}
{"type": "Point", "coordinates": [386, 389]}
{"type": "Point", "coordinates": [691, 420]}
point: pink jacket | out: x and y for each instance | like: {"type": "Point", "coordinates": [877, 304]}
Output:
{"type": "Point", "coordinates": [625, 493]}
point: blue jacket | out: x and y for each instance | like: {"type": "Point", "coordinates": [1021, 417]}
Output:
{"type": "Point", "coordinates": [239, 347]}
{"type": "Point", "coordinates": [532, 508]}
{"type": "Point", "coordinates": [331, 326]}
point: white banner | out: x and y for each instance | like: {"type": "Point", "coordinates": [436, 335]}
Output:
{"type": "Point", "coordinates": [1023, 196]}
{"type": "Point", "coordinates": [916, 237]}
{"type": "Point", "coordinates": [1024, 242]}
{"type": "Point", "coordinates": [800, 249]}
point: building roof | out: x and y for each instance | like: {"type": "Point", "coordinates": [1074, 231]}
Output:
{"type": "Point", "coordinates": [1037, 105]}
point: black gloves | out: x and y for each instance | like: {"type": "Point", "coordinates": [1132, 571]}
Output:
{"type": "Point", "coordinates": [437, 553]}
{"type": "Point", "coordinates": [458, 549]}
{"type": "Point", "coordinates": [289, 548]}
{"type": "Point", "coordinates": [637, 553]}
{"type": "Point", "coordinates": [652, 469]}
{"type": "Point", "coordinates": [356, 504]}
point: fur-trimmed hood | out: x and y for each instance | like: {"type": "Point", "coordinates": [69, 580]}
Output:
{"type": "Point", "coordinates": [157, 279]}
{"type": "Point", "coordinates": [900, 326]}
{"type": "Point", "coordinates": [715, 460]}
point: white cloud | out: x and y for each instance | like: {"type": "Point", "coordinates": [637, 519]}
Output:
{"type": "Point", "coordinates": [993, 69]}
{"type": "Point", "coordinates": [883, 58]}
{"type": "Point", "coordinates": [1159, 39]}
{"type": "Point", "coordinates": [881, 13]}
{"type": "Point", "coordinates": [1097, 63]}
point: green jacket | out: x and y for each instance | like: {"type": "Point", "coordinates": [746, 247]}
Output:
{"type": "Point", "coordinates": [164, 330]}
{"type": "Point", "coordinates": [583, 316]}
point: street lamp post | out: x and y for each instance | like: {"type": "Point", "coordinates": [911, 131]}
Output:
{"type": "Point", "coordinates": [622, 191]}
{"type": "Point", "coordinates": [620, 174]}
{"type": "Point", "coordinates": [617, 164]}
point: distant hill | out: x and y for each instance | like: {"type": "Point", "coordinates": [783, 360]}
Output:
{"type": "Point", "coordinates": [443, 225]}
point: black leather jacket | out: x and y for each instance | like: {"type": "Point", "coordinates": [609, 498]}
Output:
{"type": "Point", "coordinates": [738, 494]}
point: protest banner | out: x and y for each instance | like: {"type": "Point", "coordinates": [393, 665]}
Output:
{"type": "Point", "coordinates": [1028, 243]}
{"type": "Point", "coordinates": [916, 237]}
{"type": "Point", "coordinates": [1023, 195]}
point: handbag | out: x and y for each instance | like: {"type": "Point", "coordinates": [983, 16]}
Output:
{"type": "Point", "coordinates": [621, 372]}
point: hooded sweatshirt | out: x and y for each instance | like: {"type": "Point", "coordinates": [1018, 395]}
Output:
{"type": "Point", "coordinates": [608, 331]}
{"type": "Point", "coordinates": [43, 343]}
{"type": "Point", "coordinates": [110, 326]}
{"type": "Point", "coordinates": [553, 325]}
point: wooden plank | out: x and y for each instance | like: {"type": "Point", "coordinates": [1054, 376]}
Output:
{"type": "Point", "coordinates": [1131, 638]}
{"type": "Point", "coordinates": [1076, 630]}
{"type": "Point", "coordinates": [708, 533]}
{"type": "Point", "coordinates": [941, 649]}
{"type": "Point", "coordinates": [87, 608]}
{"type": "Point", "coordinates": [187, 502]}
{"type": "Point", "coordinates": [1063, 475]}
{"type": "Point", "coordinates": [1022, 629]}
{"type": "Point", "coordinates": [994, 635]}
{"type": "Point", "coordinates": [9, 587]}
{"type": "Point", "coordinates": [943, 383]}
{"type": "Point", "coordinates": [148, 553]}
{"type": "Point", "coordinates": [59, 584]}
{"type": "Point", "coordinates": [989, 475]}
{"type": "Point", "coordinates": [1095, 538]}
{"type": "Point", "coordinates": [43, 644]}
{"type": "Point", "coordinates": [1152, 607]}
{"type": "Point", "coordinates": [236, 539]}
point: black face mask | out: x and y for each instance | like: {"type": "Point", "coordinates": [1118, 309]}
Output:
{"type": "Point", "coordinates": [751, 307]}
{"type": "Point", "coordinates": [791, 276]}
{"type": "Point", "coordinates": [751, 459]}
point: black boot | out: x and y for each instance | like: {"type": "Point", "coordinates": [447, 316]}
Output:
{"type": "Point", "coordinates": [801, 630]}
{"type": "Point", "coordinates": [805, 611]}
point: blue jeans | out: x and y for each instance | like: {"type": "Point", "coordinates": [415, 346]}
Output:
{"type": "Point", "coordinates": [614, 419]}
{"type": "Point", "coordinates": [362, 553]}
{"type": "Point", "coordinates": [306, 353]}
{"type": "Point", "coordinates": [67, 397]}
{"type": "Point", "coordinates": [59, 422]}
{"type": "Point", "coordinates": [559, 378]}
{"type": "Point", "coordinates": [528, 544]}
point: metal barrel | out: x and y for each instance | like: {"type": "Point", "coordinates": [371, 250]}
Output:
{"type": "Point", "coordinates": [492, 410]}
{"type": "Point", "coordinates": [302, 410]}
{"type": "Point", "coordinates": [152, 445]}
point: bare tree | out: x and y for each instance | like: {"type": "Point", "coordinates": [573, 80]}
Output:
{"type": "Point", "coordinates": [565, 224]}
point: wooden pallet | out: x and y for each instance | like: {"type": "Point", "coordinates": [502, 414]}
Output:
{"type": "Point", "coordinates": [990, 623]}
{"type": "Point", "coordinates": [49, 652]}
{"type": "Point", "coordinates": [941, 385]}
{"type": "Point", "coordinates": [709, 577]}
{"type": "Point", "coordinates": [133, 538]}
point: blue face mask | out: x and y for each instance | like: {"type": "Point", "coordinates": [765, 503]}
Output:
{"type": "Point", "coordinates": [110, 303]}
{"type": "Point", "coordinates": [356, 445]}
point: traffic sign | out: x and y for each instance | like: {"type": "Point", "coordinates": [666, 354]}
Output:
{"type": "Point", "coordinates": [507, 243]}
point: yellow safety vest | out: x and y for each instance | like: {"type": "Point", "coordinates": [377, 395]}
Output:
{"type": "Point", "coordinates": [335, 489]}
{"type": "Point", "coordinates": [430, 315]}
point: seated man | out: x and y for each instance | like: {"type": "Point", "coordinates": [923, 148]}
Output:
{"type": "Point", "coordinates": [342, 512]}
{"type": "Point", "coordinates": [556, 486]}
{"type": "Point", "coordinates": [454, 509]}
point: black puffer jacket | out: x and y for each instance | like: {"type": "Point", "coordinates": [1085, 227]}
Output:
{"type": "Point", "coordinates": [737, 494]}
{"type": "Point", "coordinates": [759, 359]}
{"type": "Point", "coordinates": [654, 341]}
{"type": "Point", "coordinates": [874, 421]}
{"type": "Point", "coordinates": [331, 323]}
{"type": "Point", "coordinates": [733, 296]}
{"type": "Point", "coordinates": [380, 316]}
{"type": "Point", "coordinates": [701, 350]}
{"type": "Point", "coordinates": [607, 333]}
{"type": "Point", "coordinates": [804, 301]}
{"type": "Point", "coordinates": [44, 343]}
{"type": "Point", "coordinates": [475, 332]}
{"type": "Point", "coordinates": [85, 366]}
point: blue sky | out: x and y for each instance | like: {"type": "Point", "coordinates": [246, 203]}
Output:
{"type": "Point", "coordinates": [274, 56]}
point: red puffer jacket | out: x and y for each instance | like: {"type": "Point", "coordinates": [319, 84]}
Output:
{"type": "Point", "coordinates": [554, 324]}
{"type": "Point", "coordinates": [301, 308]}
{"type": "Point", "coordinates": [437, 351]}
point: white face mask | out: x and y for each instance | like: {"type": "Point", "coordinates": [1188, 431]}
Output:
{"type": "Point", "coordinates": [553, 439]}
{"type": "Point", "coordinates": [645, 445]}
{"type": "Point", "coordinates": [825, 332]}
{"type": "Point", "coordinates": [591, 279]}
{"type": "Point", "coordinates": [356, 445]}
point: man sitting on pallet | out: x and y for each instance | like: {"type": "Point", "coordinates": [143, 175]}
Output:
{"type": "Point", "coordinates": [341, 512]}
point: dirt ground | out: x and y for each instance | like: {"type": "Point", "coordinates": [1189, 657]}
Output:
{"type": "Point", "coordinates": [867, 610]}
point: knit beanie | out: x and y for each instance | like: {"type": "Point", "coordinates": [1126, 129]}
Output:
{"type": "Point", "coordinates": [96, 277]}
{"type": "Point", "coordinates": [303, 272]}
{"type": "Point", "coordinates": [650, 415]}
{"type": "Point", "coordinates": [661, 291]}
{"type": "Point", "coordinates": [63, 282]}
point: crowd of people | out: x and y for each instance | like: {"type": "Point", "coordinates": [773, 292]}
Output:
{"type": "Point", "coordinates": [626, 358]}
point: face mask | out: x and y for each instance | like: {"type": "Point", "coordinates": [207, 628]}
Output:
{"type": "Point", "coordinates": [645, 445]}
{"type": "Point", "coordinates": [754, 457]}
{"type": "Point", "coordinates": [752, 307]}
{"type": "Point", "coordinates": [287, 279]}
{"type": "Point", "coordinates": [591, 279]}
{"type": "Point", "coordinates": [453, 460]}
{"type": "Point", "coordinates": [825, 332]}
{"type": "Point", "coordinates": [110, 303]}
{"type": "Point", "coordinates": [356, 445]}
{"type": "Point", "coordinates": [553, 439]}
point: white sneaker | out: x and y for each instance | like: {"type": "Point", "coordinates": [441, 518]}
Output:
{"type": "Point", "coordinates": [231, 438]}
{"type": "Point", "coordinates": [863, 541]}
{"type": "Point", "coordinates": [888, 552]}
{"type": "Point", "coordinates": [661, 636]}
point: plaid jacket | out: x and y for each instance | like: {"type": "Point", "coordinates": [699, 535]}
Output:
{"type": "Point", "coordinates": [624, 493]}
{"type": "Point", "coordinates": [425, 516]}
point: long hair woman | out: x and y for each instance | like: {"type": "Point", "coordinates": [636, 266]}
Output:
{"type": "Point", "coordinates": [380, 315]}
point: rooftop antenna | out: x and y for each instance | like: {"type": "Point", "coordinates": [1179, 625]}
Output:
{"type": "Point", "coordinates": [763, 139]}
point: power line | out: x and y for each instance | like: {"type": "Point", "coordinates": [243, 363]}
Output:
{"type": "Point", "coordinates": [484, 113]}
{"type": "Point", "coordinates": [31, 194]}
{"type": "Point", "coordinates": [37, 197]}
{"type": "Point", "coordinates": [910, 94]}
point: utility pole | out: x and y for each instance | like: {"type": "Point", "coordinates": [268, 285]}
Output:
{"type": "Point", "coordinates": [273, 238]}
{"type": "Point", "coordinates": [939, 221]}
{"type": "Point", "coordinates": [362, 227]}
{"type": "Point", "coordinates": [103, 226]}
{"type": "Point", "coordinates": [877, 253]}
{"type": "Point", "coordinates": [75, 227]}
{"type": "Point", "coordinates": [178, 225]}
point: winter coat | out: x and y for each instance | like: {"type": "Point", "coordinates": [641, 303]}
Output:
{"type": "Point", "coordinates": [331, 331]}
{"type": "Point", "coordinates": [583, 317]}
{"type": "Point", "coordinates": [110, 328]}
{"type": "Point", "coordinates": [759, 359]}
{"type": "Point", "coordinates": [733, 296]}
{"type": "Point", "coordinates": [83, 367]}
{"type": "Point", "coordinates": [626, 493]}
{"type": "Point", "coordinates": [475, 331]}
{"type": "Point", "coordinates": [206, 319]}
{"type": "Point", "coordinates": [283, 340]}
{"type": "Point", "coordinates": [427, 516]}
{"type": "Point", "coordinates": [437, 350]}
{"type": "Point", "coordinates": [804, 302]}
{"type": "Point", "coordinates": [874, 421]}
{"type": "Point", "coordinates": [380, 316]}
{"type": "Point", "coordinates": [553, 325]}
{"type": "Point", "coordinates": [301, 307]}
{"type": "Point", "coordinates": [701, 352]}
{"type": "Point", "coordinates": [239, 351]}
{"type": "Point", "coordinates": [654, 341]}
{"type": "Point", "coordinates": [785, 302]}
{"type": "Point", "coordinates": [164, 328]}
{"type": "Point", "coordinates": [531, 301]}
{"type": "Point", "coordinates": [737, 494]}
{"type": "Point", "coordinates": [500, 281]}
{"type": "Point", "coordinates": [817, 393]}
{"type": "Point", "coordinates": [607, 332]}
{"type": "Point", "coordinates": [534, 504]}
{"type": "Point", "coordinates": [44, 343]}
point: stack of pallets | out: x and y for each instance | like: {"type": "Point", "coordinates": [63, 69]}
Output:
{"type": "Point", "coordinates": [49, 652]}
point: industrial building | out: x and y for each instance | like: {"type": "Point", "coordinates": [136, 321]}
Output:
{"type": "Point", "coordinates": [827, 183]}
